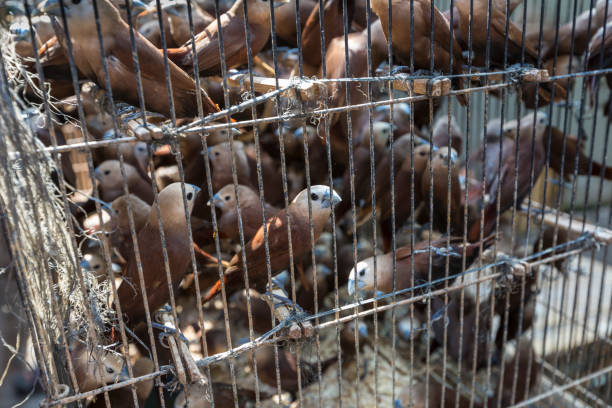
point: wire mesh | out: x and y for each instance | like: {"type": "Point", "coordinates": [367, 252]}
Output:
{"type": "Point", "coordinates": [308, 202]}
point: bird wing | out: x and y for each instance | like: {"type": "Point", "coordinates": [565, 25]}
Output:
{"type": "Point", "coordinates": [152, 68]}
{"type": "Point", "coordinates": [515, 37]}
{"type": "Point", "coordinates": [207, 43]}
{"type": "Point", "coordinates": [151, 62]}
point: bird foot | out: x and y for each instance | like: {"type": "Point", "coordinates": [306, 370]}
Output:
{"type": "Point", "coordinates": [290, 315]}
{"type": "Point", "coordinates": [298, 330]}
{"type": "Point", "coordinates": [213, 261]}
{"type": "Point", "coordinates": [402, 69]}
{"type": "Point", "coordinates": [101, 98]}
{"type": "Point", "coordinates": [167, 332]}
{"type": "Point", "coordinates": [132, 120]}
{"type": "Point", "coordinates": [224, 264]}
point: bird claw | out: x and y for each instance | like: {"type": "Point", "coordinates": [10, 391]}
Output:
{"type": "Point", "coordinates": [132, 121]}
{"type": "Point", "coordinates": [224, 264]}
{"type": "Point", "coordinates": [289, 315]}
{"type": "Point", "coordinates": [167, 332]}
{"type": "Point", "coordinates": [101, 98]}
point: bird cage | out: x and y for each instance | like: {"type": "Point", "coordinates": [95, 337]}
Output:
{"type": "Point", "coordinates": [305, 203]}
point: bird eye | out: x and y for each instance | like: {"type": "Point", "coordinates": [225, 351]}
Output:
{"type": "Point", "coordinates": [189, 195]}
{"type": "Point", "coordinates": [106, 172]}
{"type": "Point", "coordinates": [422, 153]}
{"type": "Point", "coordinates": [227, 198]}
{"type": "Point", "coordinates": [76, 1]}
{"type": "Point", "coordinates": [362, 272]}
{"type": "Point", "coordinates": [96, 266]}
{"type": "Point", "coordinates": [216, 153]}
{"type": "Point", "coordinates": [108, 369]}
{"type": "Point", "coordinates": [314, 197]}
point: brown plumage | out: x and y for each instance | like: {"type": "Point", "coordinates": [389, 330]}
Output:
{"type": "Point", "coordinates": [110, 181]}
{"type": "Point", "coordinates": [260, 312]}
{"type": "Point", "coordinates": [322, 201]}
{"type": "Point", "coordinates": [502, 388]}
{"type": "Point", "coordinates": [270, 173]}
{"type": "Point", "coordinates": [174, 222]}
{"type": "Point", "coordinates": [284, 17]}
{"type": "Point", "coordinates": [381, 135]}
{"type": "Point", "coordinates": [220, 157]}
{"type": "Point", "coordinates": [444, 202]}
{"type": "Point", "coordinates": [558, 67]}
{"type": "Point", "coordinates": [250, 207]}
{"type": "Point", "coordinates": [364, 273]}
{"type": "Point", "coordinates": [197, 396]}
{"type": "Point", "coordinates": [86, 360]}
{"type": "Point", "coordinates": [527, 372]}
{"type": "Point", "coordinates": [466, 350]}
{"type": "Point", "coordinates": [347, 339]}
{"type": "Point", "coordinates": [234, 41]}
{"type": "Point", "coordinates": [333, 26]}
{"type": "Point", "coordinates": [120, 63]}
{"type": "Point", "coordinates": [517, 49]}
{"type": "Point", "coordinates": [305, 294]}
{"type": "Point", "coordinates": [288, 368]}
{"type": "Point", "coordinates": [443, 132]}
{"type": "Point", "coordinates": [175, 20]}
{"type": "Point", "coordinates": [602, 16]}
{"type": "Point", "coordinates": [421, 43]}
{"type": "Point", "coordinates": [599, 56]}
{"type": "Point", "coordinates": [574, 150]}
{"type": "Point", "coordinates": [346, 262]}
{"type": "Point", "coordinates": [335, 62]}
{"type": "Point", "coordinates": [560, 242]}
{"type": "Point", "coordinates": [417, 397]}
{"type": "Point", "coordinates": [122, 397]}
{"type": "Point", "coordinates": [121, 237]}
{"type": "Point", "coordinates": [498, 19]}
{"type": "Point", "coordinates": [135, 154]}
{"type": "Point", "coordinates": [504, 179]}
{"type": "Point", "coordinates": [519, 311]}
{"type": "Point", "coordinates": [581, 36]}
{"type": "Point", "coordinates": [517, 324]}
{"type": "Point", "coordinates": [403, 189]}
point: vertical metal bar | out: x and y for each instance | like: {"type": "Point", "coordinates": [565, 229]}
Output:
{"type": "Point", "coordinates": [277, 104]}
{"type": "Point", "coordinates": [370, 69]}
{"type": "Point", "coordinates": [333, 216]}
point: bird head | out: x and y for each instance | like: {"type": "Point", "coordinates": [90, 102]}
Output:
{"type": "Point", "coordinates": [140, 153]}
{"type": "Point", "coordinates": [20, 31]}
{"type": "Point", "coordinates": [362, 328]}
{"type": "Point", "coordinates": [221, 152]}
{"type": "Point", "coordinates": [225, 198]}
{"type": "Point", "coordinates": [107, 171]}
{"type": "Point", "coordinates": [382, 134]}
{"type": "Point", "coordinates": [88, 362]}
{"type": "Point", "coordinates": [321, 197]}
{"type": "Point", "coordinates": [171, 195]}
{"type": "Point", "coordinates": [361, 276]}
{"type": "Point", "coordinates": [75, 9]}
{"type": "Point", "coordinates": [406, 327]}
{"type": "Point", "coordinates": [93, 263]}
{"type": "Point", "coordinates": [446, 154]}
